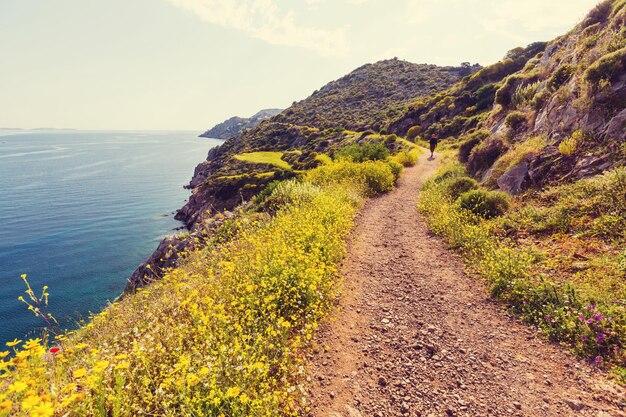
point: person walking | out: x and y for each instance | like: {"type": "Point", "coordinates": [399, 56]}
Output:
{"type": "Point", "coordinates": [433, 145]}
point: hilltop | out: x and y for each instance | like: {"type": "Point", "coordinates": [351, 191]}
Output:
{"type": "Point", "coordinates": [236, 125]}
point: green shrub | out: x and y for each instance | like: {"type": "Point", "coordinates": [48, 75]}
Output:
{"type": "Point", "coordinates": [412, 133]}
{"type": "Point", "coordinates": [485, 154]}
{"type": "Point", "coordinates": [524, 94]}
{"type": "Point", "coordinates": [515, 119]}
{"type": "Point", "coordinates": [375, 151]}
{"type": "Point", "coordinates": [607, 68]}
{"type": "Point", "coordinates": [376, 176]}
{"type": "Point", "coordinates": [396, 169]}
{"type": "Point", "coordinates": [288, 192]}
{"type": "Point", "coordinates": [568, 146]}
{"type": "Point", "coordinates": [448, 172]}
{"type": "Point", "coordinates": [486, 204]}
{"type": "Point", "coordinates": [560, 76]}
{"type": "Point", "coordinates": [470, 143]}
{"type": "Point", "coordinates": [407, 159]}
{"type": "Point", "coordinates": [454, 187]}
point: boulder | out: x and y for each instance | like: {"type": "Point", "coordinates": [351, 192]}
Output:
{"type": "Point", "coordinates": [515, 179]}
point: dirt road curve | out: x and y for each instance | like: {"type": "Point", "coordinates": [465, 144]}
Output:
{"type": "Point", "coordinates": [415, 336]}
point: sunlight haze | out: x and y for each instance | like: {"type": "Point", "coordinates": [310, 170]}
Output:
{"type": "Point", "coordinates": [188, 64]}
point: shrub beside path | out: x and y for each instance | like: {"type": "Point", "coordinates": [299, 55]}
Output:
{"type": "Point", "coordinates": [416, 336]}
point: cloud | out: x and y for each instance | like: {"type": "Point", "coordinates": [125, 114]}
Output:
{"type": "Point", "coordinates": [263, 19]}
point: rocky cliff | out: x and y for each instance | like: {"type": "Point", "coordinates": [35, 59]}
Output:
{"type": "Point", "coordinates": [236, 125]}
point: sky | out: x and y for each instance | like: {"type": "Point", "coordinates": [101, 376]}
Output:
{"type": "Point", "coordinates": [189, 64]}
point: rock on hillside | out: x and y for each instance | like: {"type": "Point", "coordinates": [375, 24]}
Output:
{"type": "Point", "coordinates": [236, 125]}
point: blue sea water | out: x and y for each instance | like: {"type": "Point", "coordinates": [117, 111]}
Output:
{"type": "Point", "coordinates": [80, 210]}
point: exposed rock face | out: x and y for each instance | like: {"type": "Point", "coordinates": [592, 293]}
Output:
{"type": "Point", "coordinates": [236, 125]}
{"type": "Point", "coordinates": [514, 180]}
{"type": "Point", "coordinates": [165, 256]}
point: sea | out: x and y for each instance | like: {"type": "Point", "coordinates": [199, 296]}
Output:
{"type": "Point", "coordinates": [80, 210]}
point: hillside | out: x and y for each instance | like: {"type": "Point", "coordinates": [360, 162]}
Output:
{"type": "Point", "coordinates": [572, 87]}
{"type": "Point", "coordinates": [235, 125]}
{"type": "Point", "coordinates": [330, 267]}
{"type": "Point", "coordinates": [325, 120]}
{"type": "Point", "coordinates": [370, 94]}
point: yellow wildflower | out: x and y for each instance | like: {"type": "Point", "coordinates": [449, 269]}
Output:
{"type": "Point", "coordinates": [122, 365]}
{"type": "Point", "coordinates": [72, 399]}
{"type": "Point", "coordinates": [30, 402]}
{"type": "Point", "coordinates": [4, 354]}
{"type": "Point", "coordinates": [193, 380]}
{"type": "Point", "coordinates": [17, 386]}
{"type": "Point", "coordinates": [15, 342]}
{"type": "Point", "coordinates": [100, 366]}
{"type": "Point", "coordinates": [6, 405]}
{"type": "Point", "coordinates": [43, 410]}
{"type": "Point", "coordinates": [232, 392]}
{"type": "Point", "coordinates": [81, 346]}
{"type": "Point", "coordinates": [32, 343]}
{"type": "Point", "coordinates": [79, 373]}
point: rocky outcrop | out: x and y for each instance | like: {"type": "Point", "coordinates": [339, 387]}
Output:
{"type": "Point", "coordinates": [236, 125]}
{"type": "Point", "coordinates": [514, 180]}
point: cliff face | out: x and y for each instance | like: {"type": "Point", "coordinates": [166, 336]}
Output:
{"type": "Point", "coordinates": [562, 103]}
{"type": "Point", "coordinates": [236, 125]}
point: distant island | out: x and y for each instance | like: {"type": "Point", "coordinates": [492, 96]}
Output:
{"type": "Point", "coordinates": [236, 125]}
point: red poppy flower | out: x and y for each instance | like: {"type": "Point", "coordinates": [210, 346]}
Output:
{"type": "Point", "coordinates": [54, 350]}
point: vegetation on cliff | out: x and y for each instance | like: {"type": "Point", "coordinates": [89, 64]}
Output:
{"type": "Point", "coordinates": [556, 257]}
{"type": "Point", "coordinates": [225, 332]}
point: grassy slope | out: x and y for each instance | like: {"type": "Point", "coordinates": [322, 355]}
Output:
{"type": "Point", "coordinates": [222, 334]}
{"type": "Point", "coordinates": [269, 158]}
{"type": "Point", "coordinates": [556, 258]}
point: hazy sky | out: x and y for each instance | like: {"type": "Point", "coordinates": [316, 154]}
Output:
{"type": "Point", "coordinates": [188, 64]}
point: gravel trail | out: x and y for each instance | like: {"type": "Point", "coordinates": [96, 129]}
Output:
{"type": "Point", "coordinates": [414, 335]}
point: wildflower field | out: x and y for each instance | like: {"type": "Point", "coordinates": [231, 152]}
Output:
{"type": "Point", "coordinates": [529, 252]}
{"type": "Point", "coordinates": [223, 334]}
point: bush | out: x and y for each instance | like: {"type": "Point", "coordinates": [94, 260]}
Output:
{"type": "Point", "coordinates": [485, 154]}
{"type": "Point", "coordinates": [486, 204]}
{"type": "Point", "coordinates": [515, 119]}
{"type": "Point", "coordinates": [412, 133]}
{"type": "Point", "coordinates": [598, 14]}
{"type": "Point", "coordinates": [449, 172]}
{"type": "Point", "coordinates": [568, 146]}
{"type": "Point", "coordinates": [407, 159]}
{"type": "Point", "coordinates": [460, 185]}
{"type": "Point", "coordinates": [470, 143]}
{"type": "Point", "coordinates": [375, 176]}
{"type": "Point", "coordinates": [375, 151]}
{"type": "Point", "coordinates": [608, 67]}
{"type": "Point", "coordinates": [288, 192]}
{"type": "Point", "coordinates": [524, 94]}
{"type": "Point", "coordinates": [560, 76]}
{"type": "Point", "coordinates": [396, 169]}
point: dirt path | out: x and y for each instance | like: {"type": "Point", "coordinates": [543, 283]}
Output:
{"type": "Point", "coordinates": [415, 336]}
